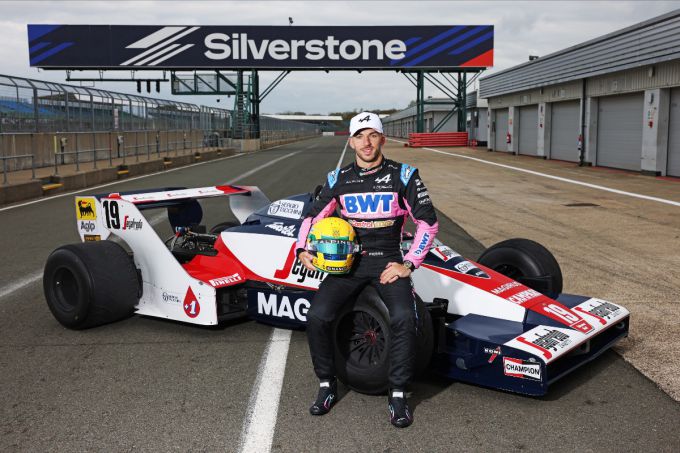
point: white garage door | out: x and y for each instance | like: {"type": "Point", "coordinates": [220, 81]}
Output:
{"type": "Point", "coordinates": [564, 131]}
{"type": "Point", "coordinates": [501, 130]}
{"type": "Point", "coordinates": [528, 130]}
{"type": "Point", "coordinates": [619, 131]}
{"type": "Point", "coordinates": [673, 167]}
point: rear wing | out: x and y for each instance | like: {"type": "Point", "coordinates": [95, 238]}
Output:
{"type": "Point", "coordinates": [95, 214]}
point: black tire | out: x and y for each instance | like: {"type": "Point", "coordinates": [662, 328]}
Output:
{"type": "Point", "coordinates": [222, 226]}
{"type": "Point", "coordinates": [90, 284]}
{"type": "Point", "coordinates": [526, 261]}
{"type": "Point", "coordinates": [365, 369]}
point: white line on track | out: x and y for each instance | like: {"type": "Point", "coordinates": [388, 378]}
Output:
{"type": "Point", "coordinates": [557, 178]}
{"type": "Point", "coordinates": [342, 156]}
{"type": "Point", "coordinates": [263, 406]}
{"type": "Point", "coordinates": [34, 277]}
{"type": "Point", "coordinates": [258, 427]}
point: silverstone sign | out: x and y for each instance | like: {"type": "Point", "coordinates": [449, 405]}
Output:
{"type": "Point", "coordinates": [259, 47]}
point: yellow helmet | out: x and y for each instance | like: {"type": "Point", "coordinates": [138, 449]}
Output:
{"type": "Point", "coordinates": [332, 241]}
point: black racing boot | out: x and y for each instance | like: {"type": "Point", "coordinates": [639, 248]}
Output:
{"type": "Point", "coordinates": [328, 395]}
{"type": "Point", "coordinates": [400, 413]}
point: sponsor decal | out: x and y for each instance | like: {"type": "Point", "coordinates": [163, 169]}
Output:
{"type": "Point", "coordinates": [503, 288]}
{"type": "Point", "coordinates": [521, 369]}
{"type": "Point", "coordinates": [354, 181]}
{"type": "Point", "coordinates": [332, 178]}
{"type": "Point", "coordinates": [406, 173]}
{"type": "Point", "coordinates": [547, 340]}
{"type": "Point", "coordinates": [424, 201]}
{"type": "Point", "coordinates": [523, 296]}
{"type": "Point", "coordinates": [567, 317]}
{"type": "Point", "coordinates": [303, 273]}
{"type": "Point", "coordinates": [225, 281]}
{"type": "Point", "coordinates": [371, 223]}
{"type": "Point", "coordinates": [92, 237]}
{"type": "Point", "coordinates": [371, 171]}
{"type": "Point", "coordinates": [87, 226]}
{"type": "Point", "coordinates": [86, 209]}
{"type": "Point", "coordinates": [418, 182]}
{"type": "Point", "coordinates": [171, 298]}
{"type": "Point", "coordinates": [368, 203]}
{"type": "Point", "coordinates": [385, 179]}
{"type": "Point", "coordinates": [295, 266]}
{"type": "Point", "coordinates": [272, 305]}
{"type": "Point", "coordinates": [191, 306]}
{"type": "Point", "coordinates": [493, 352]}
{"type": "Point", "coordinates": [286, 230]}
{"type": "Point", "coordinates": [291, 209]}
{"type": "Point", "coordinates": [605, 310]}
{"type": "Point", "coordinates": [444, 253]}
{"type": "Point", "coordinates": [422, 244]}
{"type": "Point", "coordinates": [464, 266]}
{"type": "Point", "coordinates": [132, 224]}
{"type": "Point", "coordinates": [382, 187]}
{"type": "Point", "coordinates": [423, 194]}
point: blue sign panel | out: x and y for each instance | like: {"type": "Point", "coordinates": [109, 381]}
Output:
{"type": "Point", "coordinates": [260, 47]}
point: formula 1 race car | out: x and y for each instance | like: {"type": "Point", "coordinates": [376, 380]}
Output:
{"type": "Point", "coordinates": [501, 322]}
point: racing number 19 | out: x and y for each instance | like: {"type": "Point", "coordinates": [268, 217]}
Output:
{"type": "Point", "coordinates": [112, 214]}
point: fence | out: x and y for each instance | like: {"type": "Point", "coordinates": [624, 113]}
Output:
{"type": "Point", "coordinates": [39, 120]}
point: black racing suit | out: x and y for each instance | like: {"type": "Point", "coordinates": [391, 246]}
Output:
{"type": "Point", "coordinates": [375, 202]}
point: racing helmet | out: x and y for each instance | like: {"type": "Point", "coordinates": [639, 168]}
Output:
{"type": "Point", "coordinates": [332, 241]}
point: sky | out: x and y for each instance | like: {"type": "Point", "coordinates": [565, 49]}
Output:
{"type": "Point", "coordinates": [521, 29]}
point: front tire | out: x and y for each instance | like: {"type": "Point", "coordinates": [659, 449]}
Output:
{"type": "Point", "coordinates": [362, 343]}
{"type": "Point", "coordinates": [90, 284]}
{"type": "Point", "coordinates": [526, 261]}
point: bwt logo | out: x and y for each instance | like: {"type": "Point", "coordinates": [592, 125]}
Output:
{"type": "Point", "coordinates": [368, 203]}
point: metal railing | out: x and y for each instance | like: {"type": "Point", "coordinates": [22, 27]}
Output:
{"type": "Point", "coordinates": [4, 165]}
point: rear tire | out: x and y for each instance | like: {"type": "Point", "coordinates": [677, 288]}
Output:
{"type": "Point", "coordinates": [526, 261]}
{"type": "Point", "coordinates": [362, 342]}
{"type": "Point", "coordinates": [90, 284]}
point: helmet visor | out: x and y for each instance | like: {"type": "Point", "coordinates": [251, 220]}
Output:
{"type": "Point", "coordinates": [331, 247]}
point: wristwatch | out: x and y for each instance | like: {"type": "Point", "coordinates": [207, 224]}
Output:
{"type": "Point", "coordinates": [408, 265]}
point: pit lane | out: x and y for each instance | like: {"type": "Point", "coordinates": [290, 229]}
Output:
{"type": "Point", "coordinates": [150, 385]}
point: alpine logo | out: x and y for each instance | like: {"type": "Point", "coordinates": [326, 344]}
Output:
{"type": "Point", "coordinates": [366, 118]}
{"type": "Point", "coordinates": [160, 46]}
{"type": "Point", "coordinates": [368, 203]}
{"type": "Point", "coordinates": [385, 179]}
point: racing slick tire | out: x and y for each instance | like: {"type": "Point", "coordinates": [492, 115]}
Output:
{"type": "Point", "coordinates": [90, 284]}
{"type": "Point", "coordinates": [526, 261]}
{"type": "Point", "coordinates": [362, 342]}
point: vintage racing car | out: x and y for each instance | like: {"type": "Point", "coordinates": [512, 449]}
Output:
{"type": "Point", "coordinates": [501, 322]}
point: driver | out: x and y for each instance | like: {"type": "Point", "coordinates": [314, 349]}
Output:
{"type": "Point", "coordinates": [374, 195]}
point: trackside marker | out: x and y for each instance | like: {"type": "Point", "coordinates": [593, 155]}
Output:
{"type": "Point", "coordinates": [557, 178]}
{"type": "Point", "coordinates": [263, 406]}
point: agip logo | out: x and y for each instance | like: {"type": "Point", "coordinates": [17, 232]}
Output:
{"type": "Point", "coordinates": [86, 208]}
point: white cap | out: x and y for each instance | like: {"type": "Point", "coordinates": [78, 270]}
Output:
{"type": "Point", "coordinates": [364, 120]}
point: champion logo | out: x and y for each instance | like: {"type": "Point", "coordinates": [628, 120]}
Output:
{"type": "Point", "coordinates": [160, 46]}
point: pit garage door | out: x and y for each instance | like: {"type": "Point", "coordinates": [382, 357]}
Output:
{"type": "Point", "coordinates": [528, 130]}
{"type": "Point", "coordinates": [564, 131]}
{"type": "Point", "coordinates": [673, 167]}
{"type": "Point", "coordinates": [501, 130]}
{"type": "Point", "coordinates": [619, 131]}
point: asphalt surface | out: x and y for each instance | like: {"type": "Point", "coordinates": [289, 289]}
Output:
{"type": "Point", "coordinates": [149, 385]}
